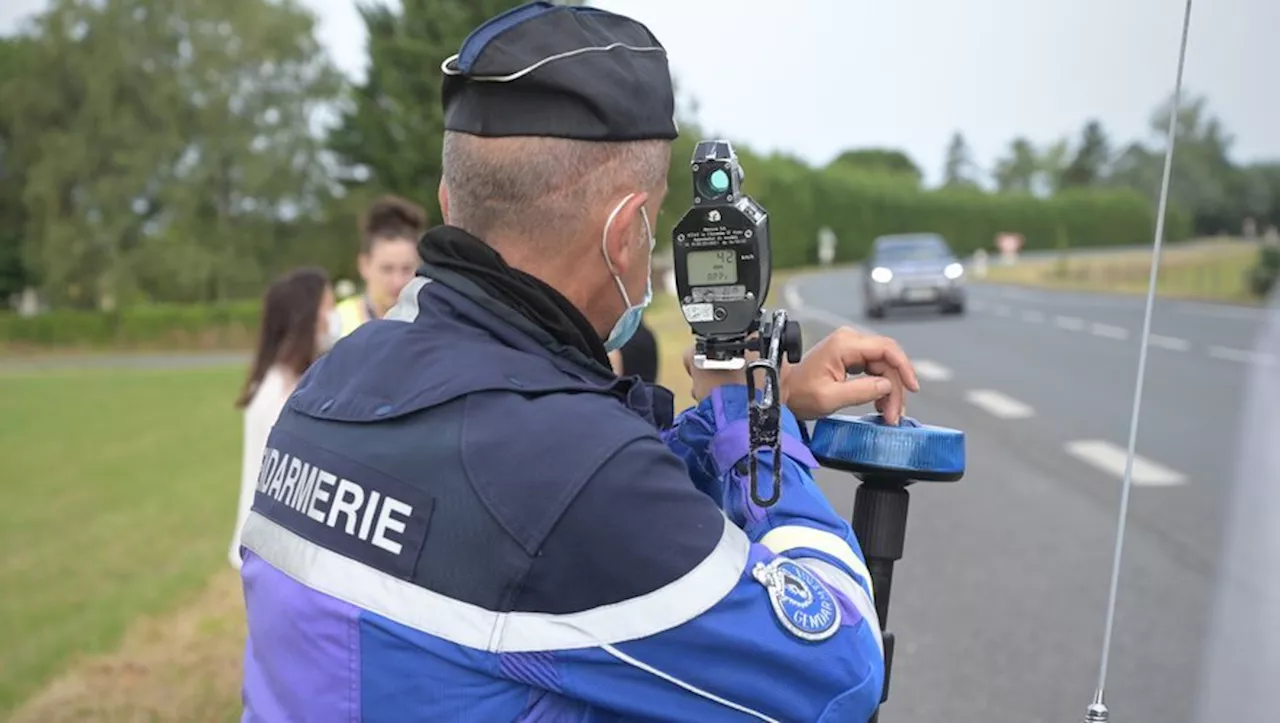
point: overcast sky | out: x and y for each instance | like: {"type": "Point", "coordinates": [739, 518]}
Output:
{"type": "Point", "coordinates": [816, 76]}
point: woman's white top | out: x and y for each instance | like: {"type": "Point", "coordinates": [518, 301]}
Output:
{"type": "Point", "coordinates": [259, 416]}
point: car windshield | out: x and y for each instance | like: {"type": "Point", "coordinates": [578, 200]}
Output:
{"type": "Point", "coordinates": [923, 248]}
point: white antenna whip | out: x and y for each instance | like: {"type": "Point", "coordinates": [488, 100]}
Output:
{"type": "Point", "coordinates": [1097, 711]}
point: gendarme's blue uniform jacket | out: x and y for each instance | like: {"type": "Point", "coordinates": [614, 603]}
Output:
{"type": "Point", "coordinates": [458, 519]}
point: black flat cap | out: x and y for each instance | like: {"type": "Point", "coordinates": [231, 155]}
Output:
{"type": "Point", "coordinates": [562, 71]}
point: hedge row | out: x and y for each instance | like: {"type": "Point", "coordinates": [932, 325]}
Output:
{"type": "Point", "coordinates": [800, 200]}
{"type": "Point", "coordinates": [160, 325]}
{"type": "Point", "coordinates": [858, 207]}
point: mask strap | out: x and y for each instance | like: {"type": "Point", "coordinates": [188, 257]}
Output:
{"type": "Point", "coordinates": [604, 249]}
{"type": "Point", "coordinates": [653, 240]}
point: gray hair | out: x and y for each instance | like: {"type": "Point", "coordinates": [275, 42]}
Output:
{"type": "Point", "coordinates": [535, 187]}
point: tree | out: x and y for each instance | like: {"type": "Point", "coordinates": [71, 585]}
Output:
{"type": "Point", "coordinates": [1090, 162]}
{"type": "Point", "coordinates": [1053, 162]}
{"type": "Point", "coordinates": [1018, 170]}
{"type": "Point", "coordinates": [1262, 194]}
{"type": "Point", "coordinates": [879, 160]}
{"type": "Point", "coordinates": [391, 131]}
{"type": "Point", "coordinates": [252, 125]}
{"type": "Point", "coordinates": [163, 140]}
{"type": "Point", "coordinates": [959, 170]}
{"type": "Point", "coordinates": [14, 276]}
{"type": "Point", "coordinates": [1204, 181]}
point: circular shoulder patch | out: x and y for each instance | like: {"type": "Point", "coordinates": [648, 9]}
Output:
{"type": "Point", "coordinates": [801, 602]}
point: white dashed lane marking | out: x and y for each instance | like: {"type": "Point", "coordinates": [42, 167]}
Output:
{"type": "Point", "coordinates": [931, 371]}
{"type": "Point", "coordinates": [1108, 331]}
{"type": "Point", "coordinates": [1070, 323]}
{"type": "Point", "coordinates": [1159, 341]}
{"type": "Point", "coordinates": [1171, 343]}
{"type": "Point", "coordinates": [1241, 355]}
{"type": "Point", "coordinates": [1110, 458]}
{"type": "Point", "coordinates": [999, 405]}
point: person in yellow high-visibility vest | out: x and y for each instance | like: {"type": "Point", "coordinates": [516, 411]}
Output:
{"type": "Point", "coordinates": [387, 261]}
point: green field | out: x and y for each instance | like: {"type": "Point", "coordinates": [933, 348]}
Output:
{"type": "Point", "coordinates": [119, 491]}
{"type": "Point", "coordinates": [1214, 271]}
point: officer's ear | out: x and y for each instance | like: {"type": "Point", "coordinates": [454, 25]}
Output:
{"type": "Point", "coordinates": [625, 234]}
{"type": "Point", "coordinates": [443, 196]}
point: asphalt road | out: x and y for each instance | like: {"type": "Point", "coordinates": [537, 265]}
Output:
{"type": "Point", "coordinates": [999, 603]}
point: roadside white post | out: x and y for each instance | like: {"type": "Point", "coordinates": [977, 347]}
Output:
{"type": "Point", "coordinates": [826, 246]}
{"type": "Point", "coordinates": [980, 263]}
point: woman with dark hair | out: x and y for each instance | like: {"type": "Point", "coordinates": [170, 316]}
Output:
{"type": "Point", "coordinates": [299, 323]}
{"type": "Point", "coordinates": [387, 261]}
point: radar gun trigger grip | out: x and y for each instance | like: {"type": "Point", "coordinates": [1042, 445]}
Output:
{"type": "Point", "coordinates": [723, 268]}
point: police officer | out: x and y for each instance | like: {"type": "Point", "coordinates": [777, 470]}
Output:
{"type": "Point", "coordinates": [464, 515]}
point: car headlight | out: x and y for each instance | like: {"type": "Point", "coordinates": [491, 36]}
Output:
{"type": "Point", "coordinates": [953, 271]}
{"type": "Point", "coordinates": [881, 275]}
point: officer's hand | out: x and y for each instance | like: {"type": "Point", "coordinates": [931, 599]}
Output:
{"type": "Point", "coordinates": [705, 380]}
{"type": "Point", "coordinates": [819, 384]}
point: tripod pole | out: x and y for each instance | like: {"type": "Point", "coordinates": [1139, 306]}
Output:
{"type": "Point", "coordinates": [880, 524]}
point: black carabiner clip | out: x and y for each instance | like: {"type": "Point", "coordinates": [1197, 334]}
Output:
{"type": "Point", "coordinates": [764, 417]}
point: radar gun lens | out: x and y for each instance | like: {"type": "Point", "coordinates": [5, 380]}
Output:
{"type": "Point", "coordinates": [718, 181]}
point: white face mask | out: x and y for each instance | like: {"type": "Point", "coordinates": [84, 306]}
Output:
{"type": "Point", "coordinates": [332, 331]}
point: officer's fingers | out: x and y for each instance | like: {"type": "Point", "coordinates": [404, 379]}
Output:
{"type": "Point", "coordinates": [891, 404]}
{"type": "Point", "coordinates": [894, 404]}
{"type": "Point", "coordinates": [853, 393]}
{"type": "Point", "coordinates": [898, 361]}
{"type": "Point", "coordinates": [878, 353]}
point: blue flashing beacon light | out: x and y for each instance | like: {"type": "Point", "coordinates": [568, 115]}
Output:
{"type": "Point", "coordinates": [868, 447]}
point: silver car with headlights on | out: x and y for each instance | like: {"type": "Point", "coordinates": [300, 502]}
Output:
{"type": "Point", "coordinates": [918, 269]}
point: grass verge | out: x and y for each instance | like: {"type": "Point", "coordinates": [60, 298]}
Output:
{"type": "Point", "coordinates": [1212, 271]}
{"type": "Point", "coordinates": [120, 489]}
{"type": "Point", "coordinates": [183, 665]}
